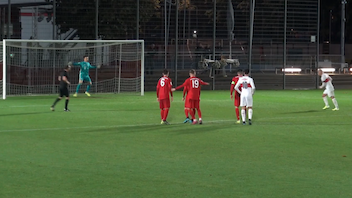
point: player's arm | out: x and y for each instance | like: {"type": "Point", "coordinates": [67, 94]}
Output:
{"type": "Point", "coordinates": [170, 88]}
{"type": "Point", "coordinates": [92, 66]}
{"type": "Point", "coordinates": [237, 86]}
{"type": "Point", "coordinates": [64, 78]}
{"type": "Point", "coordinates": [185, 91]}
{"type": "Point", "coordinates": [157, 90]}
{"type": "Point", "coordinates": [252, 85]}
{"type": "Point", "coordinates": [183, 85]}
{"type": "Point", "coordinates": [323, 83]}
{"type": "Point", "coordinates": [203, 83]}
{"type": "Point", "coordinates": [75, 64]}
{"type": "Point", "coordinates": [232, 88]}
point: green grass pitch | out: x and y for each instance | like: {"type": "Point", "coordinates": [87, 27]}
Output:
{"type": "Point", "coordinates": [114, 146]}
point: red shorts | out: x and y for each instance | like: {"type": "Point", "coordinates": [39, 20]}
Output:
{"type": "Point", "coordinates": [192, 104]}
{"type": "Point", "coordinates": [164, 103]}
{"type": "Point", "coordinates": [237, 100]}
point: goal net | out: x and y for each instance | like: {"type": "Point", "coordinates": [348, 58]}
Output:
{"type": "Point", "coordinates": [33, 66]}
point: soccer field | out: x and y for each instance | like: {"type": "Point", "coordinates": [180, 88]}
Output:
{"type": "Point", "coordinates": [114, 146]}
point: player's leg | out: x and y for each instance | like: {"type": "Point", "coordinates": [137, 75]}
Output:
{"type": "Point", "coordinates": [166, 110]}
{"type": "Point", "coordinates": [55, 102]}
{"type": "Point", "coordinates": [331, 94]}
{"type": "Point", "coordinates": [191, 111]}
{"type": "Point", "coordinates": [161, 106]}
{"type": "Point", "coordinates": [250, 114]}
{"type": "Point", "coordinates": [198, 111]}
{"type": "Point", "coordinates": [325, 99]}
{"type": "Point", "coordinates": [243, 111]}
{"type": "Point", "coordinates": [67, 94]}
{"type": "Point", "coordinates": [187, 109]}
{"type": "Point", "coordinates": [57, 99]}
{"type": "Point", "coordinates": [250, 109]}
{"type": "Point", "coordinates": [87, 78]}
{"type": "Point", "coordinates": [80, 82]}
{"type": "Point", "coordinates": [237, 104]}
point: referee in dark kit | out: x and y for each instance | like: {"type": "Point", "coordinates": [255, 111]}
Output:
{"type": "Point", "coordinates": [63, 78]}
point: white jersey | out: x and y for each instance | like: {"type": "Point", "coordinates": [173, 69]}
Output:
{"type": "Point", "coordinates": [247, 85]}
{"type": "Point", "coordinates": [327, 82]}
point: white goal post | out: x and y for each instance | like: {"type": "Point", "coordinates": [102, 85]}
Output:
{"type": "Point", "coordinates": [32, 67]}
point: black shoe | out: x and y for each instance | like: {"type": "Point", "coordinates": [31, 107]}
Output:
{"type": "Point", "coordinates": [166, 122]}
{"type": "Point", "coordinates": [67, 110]}
{"type": "Point", "coordinates": [52, 108]}
{"type": "Point", "coordinates": [243, 123]}
{"type": "Point", "coordinates": [200, 122]}
{"type": "Point", "coordinates": [250, 122]}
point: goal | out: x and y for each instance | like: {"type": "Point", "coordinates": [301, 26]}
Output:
{"type": "Point", "coordinates": [32, 67]}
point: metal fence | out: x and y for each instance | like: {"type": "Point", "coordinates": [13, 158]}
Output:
{"type": "Point", "coordinates": [181, 34]}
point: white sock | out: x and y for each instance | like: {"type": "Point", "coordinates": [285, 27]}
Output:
{"type": "Point", "coordinates": [335, 103]}
{"type": "Point", "coordinates": [326, 101]}
{"type": "Point", "coordinates": [243, 112]}
{"type": "Point", "coordinates": [250, 113]}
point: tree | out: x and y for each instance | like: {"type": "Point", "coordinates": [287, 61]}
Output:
{"type": "Point", "coordinates": [117, 19]}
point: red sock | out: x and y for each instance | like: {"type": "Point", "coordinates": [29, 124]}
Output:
{"type": "Point", "coordinates": [186, 112]}
{"type": "Point", "coordinates": [166, 112]}
{"type": "Point", "coordinates": [238, 114]}
{"type": "Point", "coordinates": [162, 114]}
{"type": "Point", "coordinates": [191, 111]}
{"type": "Point", "coordinates": [199, 113]}
{"type": "Point", "coordinates": [194, 111]}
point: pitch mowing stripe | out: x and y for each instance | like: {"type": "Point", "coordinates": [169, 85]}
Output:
{"type": "Point", "coordinates": [131, 102]}
{"type": "Point", "coordinates": [153, 124]}
{"type": "Point", "coordinates": [110, 126]}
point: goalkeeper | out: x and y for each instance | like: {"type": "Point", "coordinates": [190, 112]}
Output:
{"type": "Point", "coordinates": [84, 74]}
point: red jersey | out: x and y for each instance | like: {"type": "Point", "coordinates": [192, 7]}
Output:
{"type": "Point", "coordinates": [193, 86]}
{"type": "Point", "coordinates": [163, 89]}
{"type": "Point", "coordinates": [233, 83]}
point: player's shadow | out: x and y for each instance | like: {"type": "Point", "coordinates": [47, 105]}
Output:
{"type": "Point", "coordinates": [307, 111]}
{"type": "Point", "coordinates": [19, 114]}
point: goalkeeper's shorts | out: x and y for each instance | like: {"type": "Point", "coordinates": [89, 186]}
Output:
{"type": "Point", "coordinates": [84, 78]}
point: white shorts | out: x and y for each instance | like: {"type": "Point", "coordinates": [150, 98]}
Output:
{"type": "Point", "coordinates": [329, 92]}
{"type": "Point", "coordinates": [246, 100]}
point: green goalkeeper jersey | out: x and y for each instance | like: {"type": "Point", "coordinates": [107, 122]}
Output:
{"type": "Point", "coordinates": [84, 66]}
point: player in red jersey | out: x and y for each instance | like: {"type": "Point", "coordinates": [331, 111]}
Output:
{"type": "Point", "coordinates": [163, 92]}
{"type": "Point", "coordinates": [193, 86]}
{"type": "Point", "coordinates": [237, 95]}
{"type": "Point", "coordinates": [187, 105]}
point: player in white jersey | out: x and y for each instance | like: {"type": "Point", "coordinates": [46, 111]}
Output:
{"type": "Point", "coordinates": [326, 81]}
{"type": "Point", "coordinates": [247, 91]}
